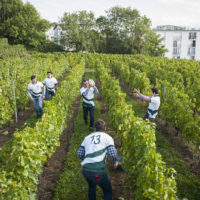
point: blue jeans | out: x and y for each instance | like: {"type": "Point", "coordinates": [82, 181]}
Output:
{"type": "Point", "coordinates": [102, 179]}
{"type": "Point", "coordinates": [37, 104]}
{"type": "Point", "coordinates": [48, 93]}
{"type": "Point", "coordinates": [85, 114]}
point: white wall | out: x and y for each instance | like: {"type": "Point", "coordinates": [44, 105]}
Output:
{"type": "Point", "coordinates": [197, 55]}
{"type": "Point", "coordinates": [184, 38]}
{"type": "Point", "coordinates": [54, 34]}
{"type": "Point", "coordinates": [184, 45]}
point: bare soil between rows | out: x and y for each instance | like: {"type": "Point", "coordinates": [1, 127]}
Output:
{"type": "Point", "coordinates": [52, 170]}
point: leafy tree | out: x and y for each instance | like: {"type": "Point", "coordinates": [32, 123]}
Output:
{"type": "Point", "coordinates": [9, 9]}
{"type": "Point", "coordinates": [153, 44]}
{"type": "Point", "coordinates": [21, 23]}
{"type": "Point", "coordinates": [79, 32]}
{"type": "Point", "coordinates": [126, 31]}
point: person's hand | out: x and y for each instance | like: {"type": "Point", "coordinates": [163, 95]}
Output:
{"type": "Point", "coordinates": [87, 85]}
{"type": "Point", "coordinates": [31, 99]}
{"type": "Point", "coordinates": [137, 91]}
{"type": "Point", "coordinates": [116, 164]}
{"type": "Point", "coordinates": [136, 95]}
{"type": "Point", "coordinates": [53, 90]}
{"type": "Point", "coordinates": [43, 97]}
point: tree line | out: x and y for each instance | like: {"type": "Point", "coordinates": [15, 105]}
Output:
{"type": "Point", "coordinates": [21, 23]}
{"type": "Point", "coordinates": [121, 30]}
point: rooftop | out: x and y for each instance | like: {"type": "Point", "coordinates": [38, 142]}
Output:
{"type": "Point", "coordinates": [175, 28]}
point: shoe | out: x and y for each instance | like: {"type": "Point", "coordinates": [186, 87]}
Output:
{"type": "Point", "coordinates": [120, 169]}
{"type": "Point", "coordinates": [91, 129]}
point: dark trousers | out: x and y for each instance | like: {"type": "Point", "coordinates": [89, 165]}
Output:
{"type": "Point", "coordinates": [48, 93]}
{"type": "Point", "coordinates": [90, 109]}
{"type": "Point", "coordinates": [102, 179]}
{"type": "Point", "coordinates": [146, 116]}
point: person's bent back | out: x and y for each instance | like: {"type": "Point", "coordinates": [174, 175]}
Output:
{"type": "Point", "coordinates": [93, 152]}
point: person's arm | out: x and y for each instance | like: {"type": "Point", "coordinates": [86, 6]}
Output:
{"type": "Point", "coordinates": [143, 97]}
{"type": "Point", "coordinates": [81, 152]}
{"type": "Point", "coordinates": [113, 154]}
{"type": "Point", "coordinates": [43, 90]}
{"type": "Point", "coordinates": [29, 93]}
{"type": "Point", "coordinates": [96, 90]}
{"type": "Point", "coordinates": [44, 82]}
{"type": "Point", "coordinates": [56, 85]}
{"type": "Point", "coordinates": [85, 92]}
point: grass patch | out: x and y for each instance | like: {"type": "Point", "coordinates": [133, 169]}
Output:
{"type": "Point", "coordinates": [72, 184]}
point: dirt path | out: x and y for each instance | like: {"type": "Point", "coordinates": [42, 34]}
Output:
{"type": "Point", "coordinates": [54, 167]}
{"type": "Point", "coordinates": [7, 131]}
{"type": "Point", "coordinates": [172, 135]}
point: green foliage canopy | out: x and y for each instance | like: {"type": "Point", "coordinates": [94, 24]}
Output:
{"type": "Point", "coordinates": [122, 31]}
{"type": "Point", "coordinates": [21, 23]}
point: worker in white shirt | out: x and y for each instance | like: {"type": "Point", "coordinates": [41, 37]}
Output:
{"type": "Point", "coordinates": [36, 92]}
{"type": "Point", "coordinates": [51, 84]}
{"type": "Point", "coordinates": [87, 91]}
{"type": "Point", "coordinates": [93, 153]}
{"type": "Point", "coordinates": [154, 104]}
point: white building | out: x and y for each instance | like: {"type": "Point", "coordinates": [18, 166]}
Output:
{"type": "Point", "coordinates": [181, 42]}
{"type": "Point", "coordinates": [54, 33]}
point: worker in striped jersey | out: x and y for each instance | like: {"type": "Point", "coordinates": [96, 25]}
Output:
{"type": "Point", "coordinates": [87, 91]}
{"type": "Point", "coordinates": [154, 104]}
{"type": "Point", "coordinates": [36, 92]}
{"type": "Point", "coordinates": [93, 153]}
{"type": "Point", "coordinates": [51, 84]}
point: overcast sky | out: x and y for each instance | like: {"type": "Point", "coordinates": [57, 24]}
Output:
{"type": "Point", "coordinates": [161, 12]}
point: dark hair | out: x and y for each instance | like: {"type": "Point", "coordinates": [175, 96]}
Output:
{"type": "Point", "coordinates": [100, 125]}
{"type": "Point", "coordinates": [154, 90]}
{"type": "Point", "coordinates": [49, 73]}
{"type": "Point", "coordinates": [83, 81]}
{"type": "Point", "coordinates": [33, 77]}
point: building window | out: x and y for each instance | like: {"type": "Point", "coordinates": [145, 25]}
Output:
{"type": "Point", "coordinates": [191, 51]}
{"type": "Point", "coordinates": [192, 35]}
{"type": "Point", "coordinates": [175, 44]}
{"type": "Point", "coordinates": [176, 51]}
{"type": "Point", "coordinates": [193, 43]}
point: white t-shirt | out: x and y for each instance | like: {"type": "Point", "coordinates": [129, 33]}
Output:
{"type": "Point", "coordinates": [95, 146]}
{"type": "Point", "coordinates": [35, 89]}
{"type": "Point", "coordinates": [89, 98]}
{"type": "Point", "coordinates": [154, 105]}
{"type": "Point", "coordinates": [50, 82]}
